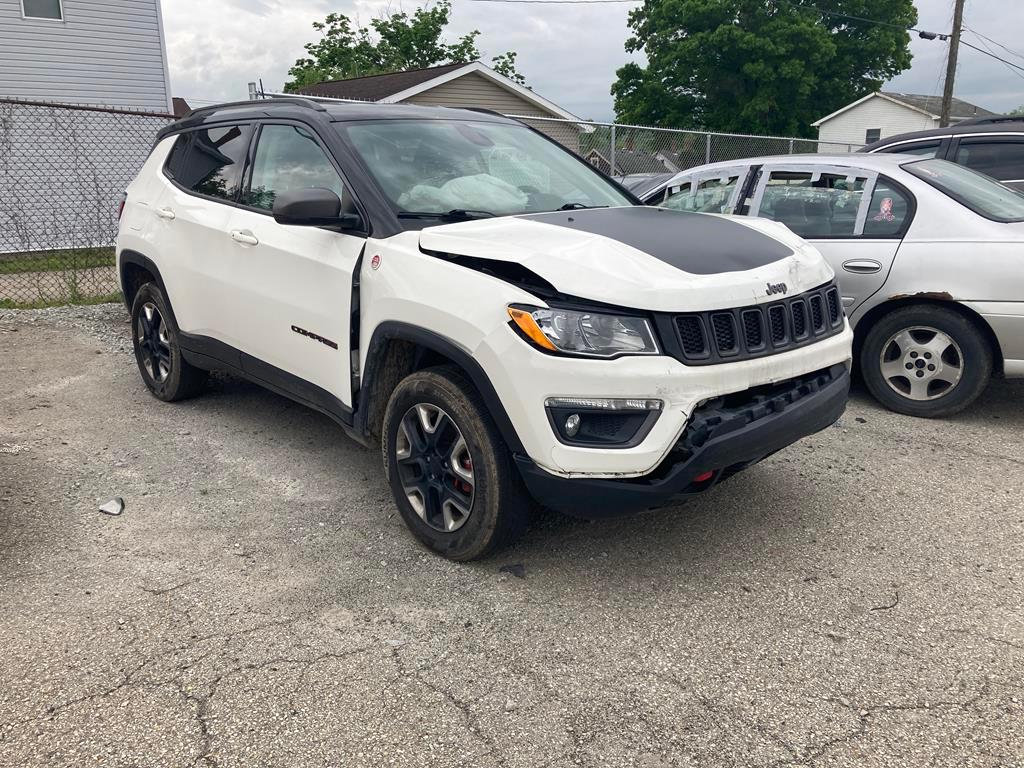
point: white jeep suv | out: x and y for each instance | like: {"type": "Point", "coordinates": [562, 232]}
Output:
{"type": "Point", "coordinates": [505, 320]}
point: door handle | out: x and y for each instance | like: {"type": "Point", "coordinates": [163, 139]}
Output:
{"type": "Point", "coordinates": [862, 266]}
{"type": "Point", "coordinates": [165, 213]}
{"type": "Point", "coordinates": [244, 236]}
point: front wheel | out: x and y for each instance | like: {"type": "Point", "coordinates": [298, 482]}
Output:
{"type": "Point", "coordinates": [925, 361]}
{"type": "Point", "coordinates": [451, 474]}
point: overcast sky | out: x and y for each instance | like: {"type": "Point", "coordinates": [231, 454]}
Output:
{"type": "Point", "coordinates": [569, 55]}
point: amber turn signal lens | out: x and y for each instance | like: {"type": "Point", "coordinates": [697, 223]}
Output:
{"type": "Point", "coordinates": [524, 322]}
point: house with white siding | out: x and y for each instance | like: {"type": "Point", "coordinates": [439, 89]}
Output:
{"type": "Point", "coordinates": [468, 85]}
{"type": "Point", "coordinates": [887, 113]}
{"type": "Point", "coordinates": [108, 53]}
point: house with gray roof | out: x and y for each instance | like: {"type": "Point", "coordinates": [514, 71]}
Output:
{"type": "Point", "coordinates": [888, 113]}
{"type": "Point", "coordinates": [471, 85]}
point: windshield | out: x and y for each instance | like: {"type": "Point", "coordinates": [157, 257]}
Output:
{"type": "Point", "coordinates": [473, 169]}
{"type": "Point", "coordinates": [980, 193]}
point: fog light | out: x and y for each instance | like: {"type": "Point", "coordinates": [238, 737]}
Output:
{"type": "Point", "coordinates": [572, 425]}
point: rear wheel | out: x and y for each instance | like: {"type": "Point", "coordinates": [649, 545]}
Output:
{"type": "Point", "coordinates": [451, 474]}
{"type": "Point", "coordinates": [926, 361]}
{"type": "Point", "coordinates": [155, 338]}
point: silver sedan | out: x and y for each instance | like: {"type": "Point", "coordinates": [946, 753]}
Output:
{"type": "Point", "coordinates": [930, 259]}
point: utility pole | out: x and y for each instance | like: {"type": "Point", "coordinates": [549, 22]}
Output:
{"type": "Point", "coordinates": [954, 46]}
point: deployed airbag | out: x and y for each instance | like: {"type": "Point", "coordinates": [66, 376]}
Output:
{"type": "Point", "coordinates": [488, 193]}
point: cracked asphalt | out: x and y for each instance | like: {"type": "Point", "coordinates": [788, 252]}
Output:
{"type": "Point", "coordinates": [855, 600]}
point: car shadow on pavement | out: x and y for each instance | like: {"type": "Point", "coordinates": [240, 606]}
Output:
{"type": "Point", "coordinates": [797, 487]}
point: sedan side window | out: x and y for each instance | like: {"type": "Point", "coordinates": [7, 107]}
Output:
{"type": "Point", "coordinates": [888, 211]}
{"type": "Point", "coordinates": [704, 196]}
{"type": "Point", "coordinates": [212, 161]}
{"type": "Point", "coordinates": [812, 204]}
{"type": "Point", "coordinates": [288, 157]}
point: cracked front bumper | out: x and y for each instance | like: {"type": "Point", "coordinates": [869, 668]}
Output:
{"type": "Point", "coordinates": [723, 437]}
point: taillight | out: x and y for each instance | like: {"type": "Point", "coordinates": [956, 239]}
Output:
{"type": "Point", "coordinates": [120, 207]}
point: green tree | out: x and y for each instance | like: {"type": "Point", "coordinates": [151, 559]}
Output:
{"type": "Point", "coordinates": [505, 64]}
{"type": "Point", "coordinates": [393, 42]}
{"type": "Point", "coordinates": [1018, 112]}
{"type": "Point", "coordinates": [758, 66]}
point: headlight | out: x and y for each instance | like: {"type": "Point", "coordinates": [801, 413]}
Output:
{"type": "Point", "coordinates": [577, 332]}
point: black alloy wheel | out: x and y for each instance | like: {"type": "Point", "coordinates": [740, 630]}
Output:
{"type": "Point", "coordinates": [435, 467]}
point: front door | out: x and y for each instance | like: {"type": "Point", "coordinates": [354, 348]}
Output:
{"type": "Point", "coordinates": [854, 217]}
{"type": "Point", "coordinates": [293, 284]}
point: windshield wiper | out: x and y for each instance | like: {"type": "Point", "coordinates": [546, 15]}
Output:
{"type": "Point", "coordinates": [578, 206]}
{"type": "Point", "coordinates": [455, 214]}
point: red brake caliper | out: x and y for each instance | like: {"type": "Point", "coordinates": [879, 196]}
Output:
{"type": "Point", "coordinates": [465, 487]}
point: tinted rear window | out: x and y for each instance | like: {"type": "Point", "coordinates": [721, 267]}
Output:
{"type": "Point", "coordinates": [1003, 160]}
{"type": "Point", "coordinates": [178, 155]}
{"type": "Point", "coordinates": [210, 161]}
{"type": "Point", "coordinates": [983, 195]}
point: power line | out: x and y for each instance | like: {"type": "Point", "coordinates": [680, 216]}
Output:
{"type": "Point", "coordinates": [922, 33]}
{"type": "Point", "coordinates": [1006, 64]}
{"type": "Point", "coordinates": [989, 53]}
{"type": "Point", "coordinates": [1000, 45]}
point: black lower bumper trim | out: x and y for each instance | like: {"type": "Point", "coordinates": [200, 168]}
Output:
{"type": "Point", "coordinates": [723, 437]}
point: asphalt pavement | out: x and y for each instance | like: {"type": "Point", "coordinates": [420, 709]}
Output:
{"type": "Point", "coordinates": [855, 600]}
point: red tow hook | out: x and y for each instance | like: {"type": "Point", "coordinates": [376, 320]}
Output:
{"type": "Point", "coordinates": [703, 476]}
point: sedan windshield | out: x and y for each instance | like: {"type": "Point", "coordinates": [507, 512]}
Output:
{"type": "Point", "coordinates": [982, 194]}
{"type": "Point", "coordinates": [466, 169]}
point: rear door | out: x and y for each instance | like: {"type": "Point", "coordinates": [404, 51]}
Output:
{"type": "Point", "coordinates": [204, 174]}
{"type": "Point", "coordinates": [856, 218]}
{"type": "Point", "coordinates": [291, 293]}
{"type": "Point", "coordinates": [1000, 156]}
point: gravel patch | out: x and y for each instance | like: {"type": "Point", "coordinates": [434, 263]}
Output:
{"type": "Point", "coordinates": [106, 323]}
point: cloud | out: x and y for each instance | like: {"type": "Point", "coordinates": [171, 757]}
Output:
{"type": "Point", "coordinates": [568, 55]}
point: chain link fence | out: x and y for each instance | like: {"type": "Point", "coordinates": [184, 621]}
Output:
{"type": "Point", "coordinates": [63, 169]}
{"type": "Point", "coordinates": [629, 152]}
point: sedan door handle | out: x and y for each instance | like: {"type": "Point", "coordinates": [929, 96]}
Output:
{"type": "Point", "coordinates": [244, 236]}
{"type": "Point", "coordinates": [165, 213]}
{"type": "Point", "coordinates": [862, 266]}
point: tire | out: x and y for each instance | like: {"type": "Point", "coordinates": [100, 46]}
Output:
{"type": "Point", "coordinates": [925, 361]}
{"type": "Point", "coordinates": [155, 338]}
{"type": "Point", "coordinates": [462, 515]}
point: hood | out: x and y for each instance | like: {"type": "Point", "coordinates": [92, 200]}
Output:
{"type": "Point", "coordinates": [644, 258]}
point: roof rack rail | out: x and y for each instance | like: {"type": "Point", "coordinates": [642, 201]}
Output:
{"type": "Point", "coordinates": [298, 101]}
{"type": "Point", "coordinates": [484, 111]}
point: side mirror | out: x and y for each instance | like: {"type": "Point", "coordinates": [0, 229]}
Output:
{"type": "Point", "coordinates": [313, 207]}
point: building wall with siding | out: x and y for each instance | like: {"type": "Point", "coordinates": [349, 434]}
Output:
{"type": "Point", "coordinates": [474, 90]}
{"type": "Point", "coordinates": [104, 52]}
{"type": "Point", "coordinates": [852, 125]}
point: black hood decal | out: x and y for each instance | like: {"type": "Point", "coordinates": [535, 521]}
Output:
{"type": "Point", "coordinates": [692, 242]}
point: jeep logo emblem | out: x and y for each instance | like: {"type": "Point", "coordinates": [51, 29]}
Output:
{"type": "Point", "coordinates": [774, 288]}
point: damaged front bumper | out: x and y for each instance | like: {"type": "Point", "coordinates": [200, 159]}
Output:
{"type": "Point", "coordinates": [722, 437]}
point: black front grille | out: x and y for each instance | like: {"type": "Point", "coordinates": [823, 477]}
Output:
{"type": "Point", "coordinates": [762, 329]}
{"type": "Point", "coordinates": [817, 314]}
{"type": "Point", "coordinates": [777, 318]}
{"type": "Point", "coordinates": [834, 313]}
{"type": "Point", "coordinates": [725, 333]}
{"type": "Point", "coordinates": [799, 311]}
{"type": "Point", "coordinates": [691, 335]}
{"type": "Point", "coordinates": [753, 328]}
